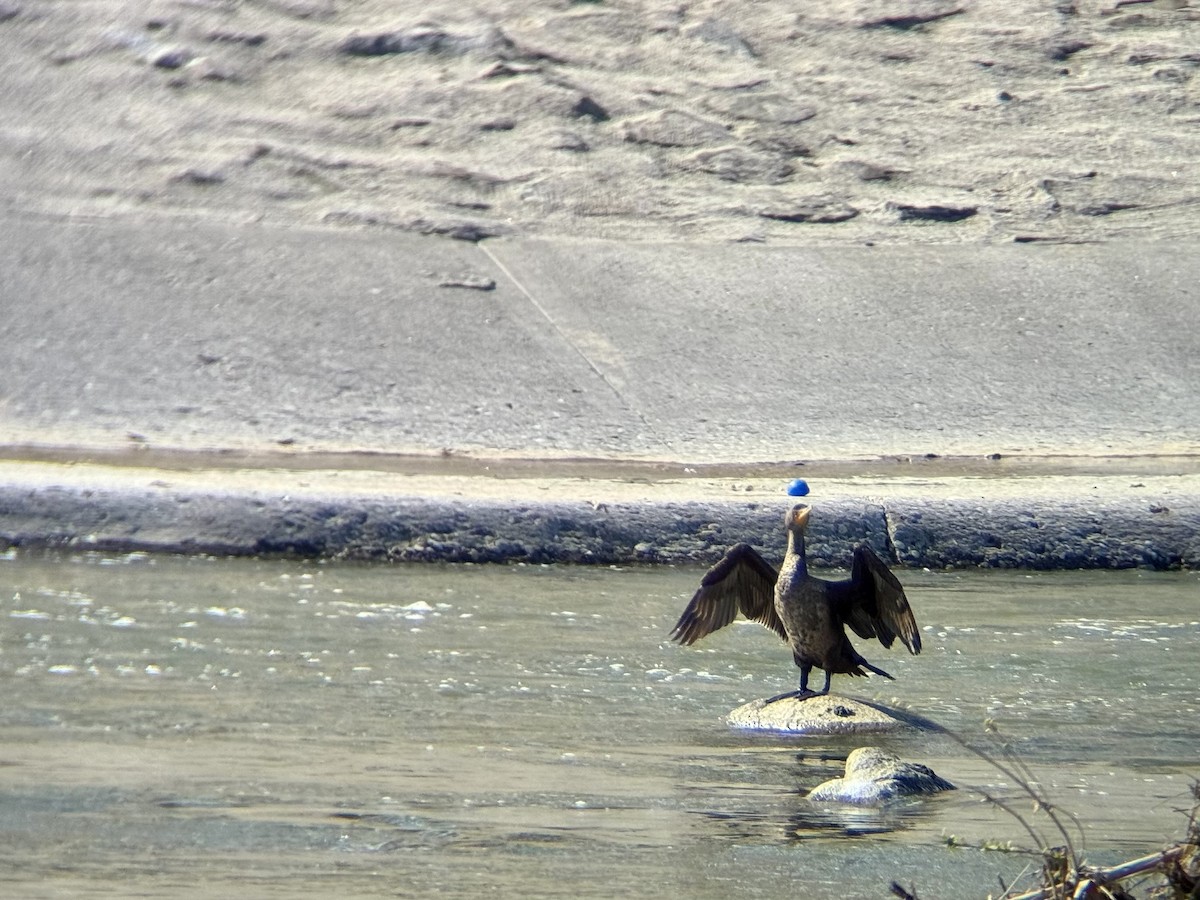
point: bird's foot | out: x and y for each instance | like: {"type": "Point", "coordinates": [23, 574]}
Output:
{"type": "Point", "coordinates": [795, 695]}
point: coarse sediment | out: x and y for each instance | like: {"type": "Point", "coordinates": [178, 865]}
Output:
{"type": "Point", "coordinates": [508, 524]}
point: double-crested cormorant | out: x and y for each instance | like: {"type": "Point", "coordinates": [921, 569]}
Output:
{"type": "Point", "coordinates": [809, 613]}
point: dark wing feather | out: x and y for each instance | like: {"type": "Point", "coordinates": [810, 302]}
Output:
{"type": "Point", "coordinates": [873, 603]}
{"type": "Point", "coordinates": [742, 581]}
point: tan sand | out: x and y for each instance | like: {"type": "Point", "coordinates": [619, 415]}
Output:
{"type": "Point", "coordinates": [832, 122]}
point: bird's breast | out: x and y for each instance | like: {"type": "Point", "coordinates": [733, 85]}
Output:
{"type": "Point", "coordinates": [805, 613]}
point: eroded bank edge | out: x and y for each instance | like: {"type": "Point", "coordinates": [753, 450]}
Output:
{"type": "Point", "coordinates": [1037, 532]}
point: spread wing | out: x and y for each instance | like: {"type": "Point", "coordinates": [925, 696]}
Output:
{"type": "Point", "coordinates": [742, 581]}
{"type": "Point", "coordinates": [872, 602]}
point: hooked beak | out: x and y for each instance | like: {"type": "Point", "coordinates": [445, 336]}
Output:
{"type": "Point", "coordinates": [799, 516]}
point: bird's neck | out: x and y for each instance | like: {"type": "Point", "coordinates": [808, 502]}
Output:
{"type": "Point", "coordinates": [793, 564]}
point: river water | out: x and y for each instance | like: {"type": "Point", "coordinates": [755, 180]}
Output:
{"type": "Point", "coordinates": [211, 728]}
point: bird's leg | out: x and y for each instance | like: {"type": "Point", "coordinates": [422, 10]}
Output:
{"type": "Point", "coordinates": [828, 678]}
{"type": "Point", "coordinates": [804, 693]}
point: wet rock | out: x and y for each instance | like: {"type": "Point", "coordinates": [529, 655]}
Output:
{"type": "Point", "coordinates": [1066, 535]}
{"type": "Point", "coordinates": [645, 551]}
{"type": "Point", "coordinates": [909, 537]}
{"type": "Point", "coordinates": [934, 212]}
{"type": "Point", "coordinates": [815, 210]}
{"type": "Point", "coordinates": [669, 128]}
{"type": "Point", "coordinates": [827, 714]}
{"type": "Point", "coordinates": [742, 166]}
{"type": "Point", "coordinates": [875, 776]}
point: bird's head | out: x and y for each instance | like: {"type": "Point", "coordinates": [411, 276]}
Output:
{"type": "Point", "coordinates": [797, 517]}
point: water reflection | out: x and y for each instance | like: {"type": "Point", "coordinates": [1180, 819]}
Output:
{"type": "Point", "coordinates": [266, 726]}
{"type": "Point", "coordinates": [789, 817]}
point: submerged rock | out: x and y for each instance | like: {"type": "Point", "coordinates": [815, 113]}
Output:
{"type": "Point", "coordinates": [876, 776]}
{"type": "Point", "coordinates": [826, 714]}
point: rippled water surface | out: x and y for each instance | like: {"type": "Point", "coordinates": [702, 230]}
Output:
{"type": "Point", "coordinates": [197, 727]}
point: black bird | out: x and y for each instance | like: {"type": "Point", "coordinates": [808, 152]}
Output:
{"type": "Point", "coordinates": [809, 613]}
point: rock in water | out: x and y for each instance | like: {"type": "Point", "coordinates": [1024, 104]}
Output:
{"type": "Point", "coordinates": [825, 714]}
{"type": "Point", "coordinates": [874, 776]}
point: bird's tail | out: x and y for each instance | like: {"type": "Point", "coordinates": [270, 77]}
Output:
{"type": "Point", "coordinates": [866, 665]}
